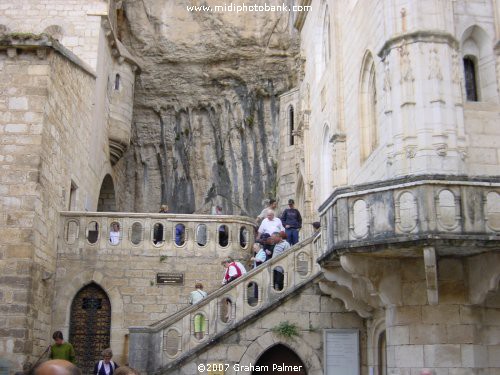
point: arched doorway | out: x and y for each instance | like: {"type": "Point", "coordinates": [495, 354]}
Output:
{"type": "Point", "coordinates": [107, 200]}
{"type": "Point", "coordinates": [90, 325]}
{"type": "Point", "coordinates": [284, 360]}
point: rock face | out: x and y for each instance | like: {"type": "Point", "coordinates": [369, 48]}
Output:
{"type": "Point", "coordinates": [205, 129]}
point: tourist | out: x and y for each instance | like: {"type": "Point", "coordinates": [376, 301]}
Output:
{"type": "Point", "coordinates": [292, 221]}
{"type": "Point", "coordinates": [279, 248]}
{"type": "Point", "coordinates": [260, 255]}
{"type": "Point", "coordinates": [270, 224]}
{"type": "Point", "coordinates": [61, 349]}
{"type": "Point", "coordinates": [114, 234]}
{"type": "Point", "coordinates": [267, 243]}
{"type": "Point", "coordinates": [57, 367]}
{"type": "Point", "coordinates": [105, 366]}
{"type": "Point", "coordinates": [198, 294]}
{"type": "Point", "coordinates": [233, 270]}
{"type": "Point", "coordinates": [163, 209]}
{"type": "Point", "coordinates": [271, 206]}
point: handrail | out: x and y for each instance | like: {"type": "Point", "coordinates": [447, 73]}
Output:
{"type": "Point", "coordinates": [158, 326]}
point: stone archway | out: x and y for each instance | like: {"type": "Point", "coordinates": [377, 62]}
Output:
{"type": "Point", "coordinates": [90, 325]}
{"type": "Point", "coordinates": [280, 359]}
{"type": "Point", "coordinates": [300, 346]}
{"type": "Point", "coordinates": [107, 199]}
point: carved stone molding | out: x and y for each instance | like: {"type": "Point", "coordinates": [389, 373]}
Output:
{"type": "Point", "coordinates": [381, 275]}
{"type": "Point", "coordinates": [344, 294]}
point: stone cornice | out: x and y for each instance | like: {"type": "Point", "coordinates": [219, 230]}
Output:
{"type": "Point", "coordinates": [301, 18]}
{"type": "Point", "coordinates": [421, 36]}
{"type": "Point", "coordinates": [27, 41]}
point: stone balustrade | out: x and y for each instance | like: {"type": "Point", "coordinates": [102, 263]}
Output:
{"type": "Point", "coordinates": [176, 233]}
{"type": "Point", "coordinates": [172, 340]}
{"type": "Point", "coordinates": [400, 215]}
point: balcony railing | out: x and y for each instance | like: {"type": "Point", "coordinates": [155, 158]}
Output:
{"type": "Point", "coordinates": [172, 340]}
{"type": "Point", "coordinates": [452, 211]}
{"type": "Point", "coordinates": [139, 231]}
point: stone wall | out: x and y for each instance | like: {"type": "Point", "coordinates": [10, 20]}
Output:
{"type": "Point", "coordinates": [310, 311]}
{"type": "Point", "coordinates": [127, 271]}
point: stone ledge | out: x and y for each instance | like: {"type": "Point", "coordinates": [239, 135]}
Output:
{"type": "Point", "coordinates": [28, 41]}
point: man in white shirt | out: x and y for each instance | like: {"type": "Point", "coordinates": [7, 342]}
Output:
{"type": "Point", "coordinates": [270, 224]}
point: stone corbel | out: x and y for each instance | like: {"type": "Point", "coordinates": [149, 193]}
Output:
{"type": "Point", "coordinates": [358, 288]}
{"type": "Point", "coordinates": [382, 277]}
{"type": "Point", "coordinates": [344, 294]}
{"type": "Point", "coordinates": [484, 276]}
{"type": "Point", "coordinates": [431, 275]}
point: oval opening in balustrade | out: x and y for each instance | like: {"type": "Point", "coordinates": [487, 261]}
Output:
{"type": "Point", "coordinates": [244, 236]}
{"type": "Point", "coordinates": [136, 233]}
{"type": "Point", "coordinates": [172, 342]}
{"type": "Point", "coordinates": [200, 326]}
{"type": "Point", "coordinates": [278, 278]}
{"type": "Point", "coordinates": [360, 219]}
{"type": "Point", "coordinates": [302, 265]}
{"type": "Point", "coordinates": [226, 307]}
{"type": "Point", "coordinates": [92, 232]}
{"type": "Point", "coordinates": [447, 209]}
{"type": "Point", "coordinates": [201, 235]}
{"type": "Point", "coordinates": [158, 234]}
{"type": "Point", "coordinates": [408, 212]}
{"type": "Point", "coordinates": [223, 234]}
{"type": "Point", "coordinates": [252, 293]}
{"type": "Point", "coordinates": [114, 233]}
{"type": "Point", "coordinates": [493, 210]}
{"type": "Point", "coordinates": [71, 231]}
{"type": "Point", "coordinates": [180, 234]}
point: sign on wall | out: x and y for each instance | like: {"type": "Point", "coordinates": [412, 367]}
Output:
{"type": "Point", "coordinates": [170, 278]}
{"type": "Point", "coordinates": [342, 352]}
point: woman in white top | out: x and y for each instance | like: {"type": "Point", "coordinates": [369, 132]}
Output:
{"type": "Point", "coordinates": [114, 234]}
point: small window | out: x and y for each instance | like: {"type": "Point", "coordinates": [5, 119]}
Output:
{"type": "Point", "coordinates": [223, 235]}
{"type": "Point", "coordinates": [244, 234]}
{"type": "Point", "coordinates": [252, 294]}
{"type": "Point", "coordinates": [158, 234]}
{"type": "Point", "coordinates": [200, 326]}
{"type": "Point", "coordinates": [226, 308]}
{"type": "Point", "coordinates": [72, 197]}
{"type": "Point", "coordinates": [470, 72]}
{"type": "Point", "coordinates": [93, 232]}
{"type": "Point", "coordinates": [117, 82]}
{"type": "Point", "coordinates": [180, 234]}
{"type": "Point", "coordinates": [71, 232]}
{"type": "Point", "coordinates": [114, 233]}
{"type": "Point", "coordinates": [201, 235]}
{"type": "Point", "coordinates": [291, 127]}
{"type": "Point", "coordinates": [136, 233]}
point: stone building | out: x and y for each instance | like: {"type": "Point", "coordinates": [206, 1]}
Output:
{"type": "Point", "coordinates": [380, 118]}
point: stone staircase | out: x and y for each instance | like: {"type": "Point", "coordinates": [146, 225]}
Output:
{"type": "Point", "coordinates": [166, 344]}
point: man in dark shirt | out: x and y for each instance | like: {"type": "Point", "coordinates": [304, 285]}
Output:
{"type": "Point", "coordinates": [292, 221]}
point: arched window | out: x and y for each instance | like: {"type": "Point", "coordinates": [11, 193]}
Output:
{"type": "Point", "coordinates": [291, 126]}
{"type": "Point", "coordinates": [479, 66]}
{"type": "Point", "coordinates": [117, 82]}
{"type": "Point", "coordinates": [368, 108]}
{"type": "Point", "coordinates": [470, 73]}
